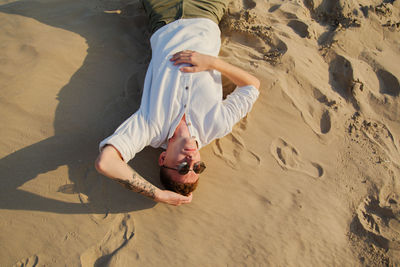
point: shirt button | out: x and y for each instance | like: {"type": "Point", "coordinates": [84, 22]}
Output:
{"type": "Point", "coordinates": [184, 106]}
{"type": "Point", "coordinates": [187, 87]}
{"type": "Point", "coordinates": [188, 124]}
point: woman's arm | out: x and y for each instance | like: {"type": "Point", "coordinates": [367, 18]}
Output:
{"type": "Point", "coordinates": [201, 62]}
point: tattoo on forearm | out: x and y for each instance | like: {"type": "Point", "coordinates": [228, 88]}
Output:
{"type": "Point", "coordinates": [139, 185]}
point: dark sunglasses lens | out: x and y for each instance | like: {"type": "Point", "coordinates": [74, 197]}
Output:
{"type": "Point", "coordinates": [199, 167]}
{"type": "Point", "coordinates": [183, 168]}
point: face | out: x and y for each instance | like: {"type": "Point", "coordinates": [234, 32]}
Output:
{"type": "Point", "coordinates": [181, 149]}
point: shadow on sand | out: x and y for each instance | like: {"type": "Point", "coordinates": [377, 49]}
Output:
{"type": "Point", "coordinates": [99, 96]}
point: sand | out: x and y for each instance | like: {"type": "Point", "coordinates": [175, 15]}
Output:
{"type": "Point", "coordinates": [309, 178]}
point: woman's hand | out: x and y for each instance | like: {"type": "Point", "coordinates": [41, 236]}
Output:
{"type": "Point", "coordinates": [199, 62]}
{"type": "Point", "coordinates": [172, 198]}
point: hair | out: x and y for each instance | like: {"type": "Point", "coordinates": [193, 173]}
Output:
{"type": "Point", "coordinates": [180, 188]}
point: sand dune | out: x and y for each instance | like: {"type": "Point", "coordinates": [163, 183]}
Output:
{"type": "Point", "coordinates": [309, 178]}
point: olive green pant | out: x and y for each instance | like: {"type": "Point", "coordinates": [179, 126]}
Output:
{"type": "Point", "coordinates": [162, 12]}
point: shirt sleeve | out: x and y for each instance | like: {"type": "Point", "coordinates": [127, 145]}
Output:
{"type": "Point", "coordinates": [239, 103]}
{"type": "Point", "coordinates": [130, 137]}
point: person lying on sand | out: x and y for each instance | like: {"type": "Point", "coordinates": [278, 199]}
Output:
{"type": "Point", "coordinates": [182, 108]}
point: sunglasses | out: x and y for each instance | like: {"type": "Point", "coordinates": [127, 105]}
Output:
{"type": "Point", "coordinates": [184, 167]}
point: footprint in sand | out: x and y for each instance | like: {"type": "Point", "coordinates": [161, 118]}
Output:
{"type": "Point", "coordinates": [388, 83]}
{"type": "Point", "coordinates": [289, 158]}
{"type": "Point", "coordinates": [117, 237]}
{"type": "Point", "coordinates": [28, 262]}
{"type": "Point", "coordinates": [378, 216]}
{"type": "Point", "coordinates": [380, 135]}
{"type": "Point", "coordinates": [249, 4]}
{"type": "Point", "coordinates": [265, 43]}
{"type": "Point", "coordinates": [274, 8]}
{"type": "Point", "coordinates": [318, 117]}
{"type": "Point", "coordinates": [318, 110]}
{"type": "Point", "coordinates": [233, 151]}
{"type": "Point", "coordinates": [334, 12]}
{"type": "Point", "coordinates": [240, 29]}
{"type": "Point", "coordinates": [380, 221]}
{"type": "Point", "coordinates": [341, 76]}
{"type": "Point", "coordinates": [300, 28]}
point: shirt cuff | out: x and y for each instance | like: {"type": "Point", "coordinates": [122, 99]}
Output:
{"type": "Point", "coordinates": [249, 90]}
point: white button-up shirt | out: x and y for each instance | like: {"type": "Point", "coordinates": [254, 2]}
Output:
{"type": "Point", "coordinates": [169, 93]}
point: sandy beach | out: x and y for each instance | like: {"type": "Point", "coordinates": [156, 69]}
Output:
{"type": "Point", "coordinates": [311, 177]}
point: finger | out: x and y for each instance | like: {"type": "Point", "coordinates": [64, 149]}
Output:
{"type": "Point", "coordinates": [180, 52]}
{"type": "Point", "coordinates": [176, 56]}
{"type": "Point", "coordinates": [184, 62]}
{"type": "Point", "coordinates": [187, 199]}
{"type": "Point", "coordinates": [185, 52]}
{"type": "Point", "coordinates": [181, 59]}
{"type": "Point", "coordinates": [188, 69]}
{"type": "Point", "coordinates": [186, 56]}
{"type": "Point", "coordinates": [177, 53]}
{"type": "Point", "coordinates": [191, 69]}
